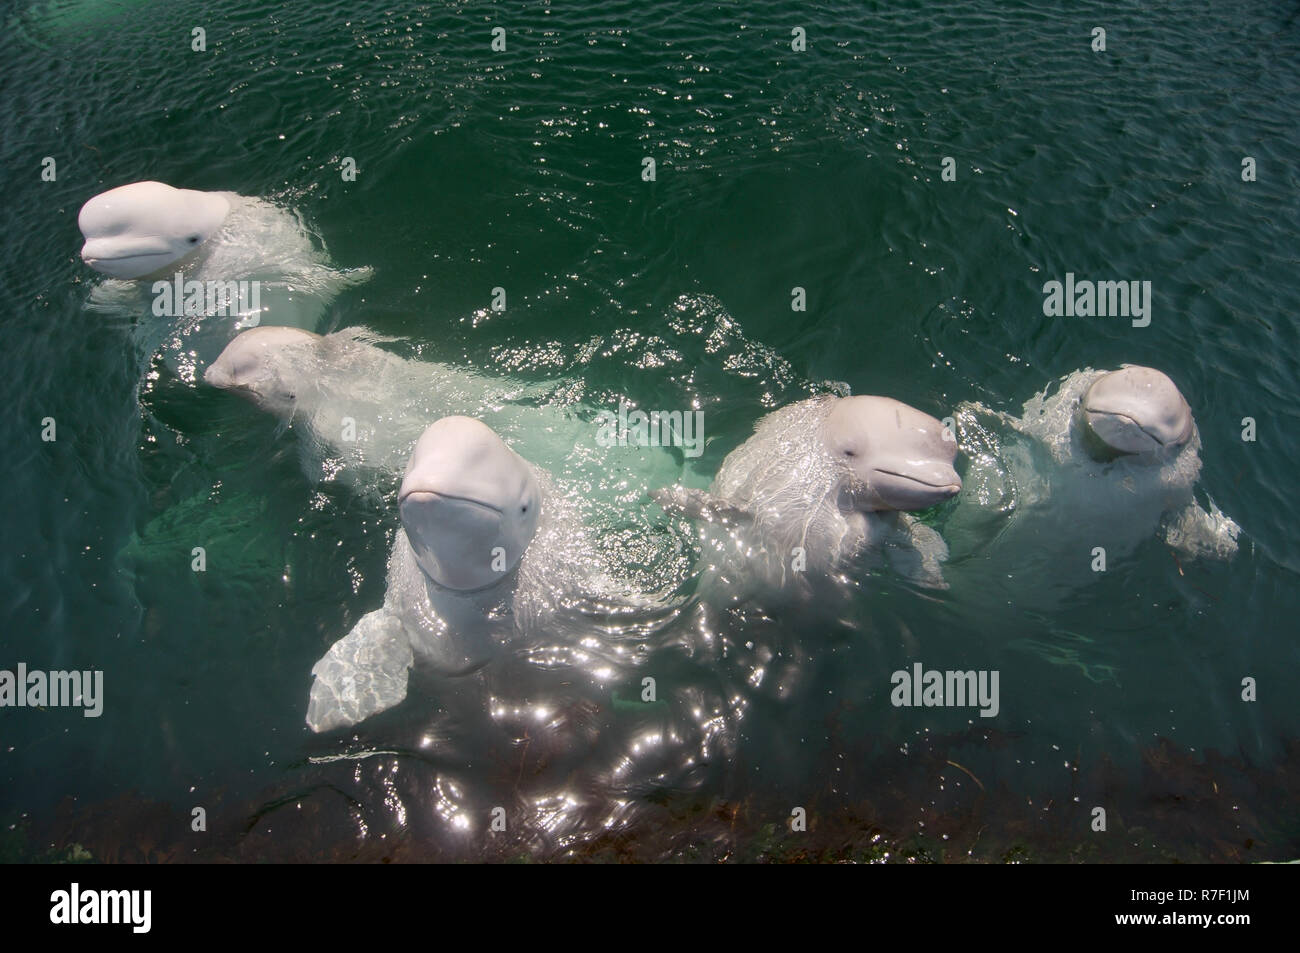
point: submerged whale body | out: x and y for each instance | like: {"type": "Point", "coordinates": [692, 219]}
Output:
{"type": "Point", "coordinates": [361, 408]}
{"type": "Point", "coordinates": [489, 552]}
{"type": "Point", "coordinates": [193, 268]}
{"type": "Point", "coordinates": [1108, 459]}
{"type": "Point", "coordinates": [820, 485]}
{"type": "Point", "coordinates": [351, 400]}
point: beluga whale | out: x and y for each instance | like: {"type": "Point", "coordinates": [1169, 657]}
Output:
{"type": "Point", "coordinates": [489, 551]}
{"type": "Point", "coordinates": [200, 266]}
{"type": "Point", "coordinates": [1090, 469]}
{"type": "Point", "coordinates": [359, 408]}
{"type": "Point", "coordinates": [822, 486]}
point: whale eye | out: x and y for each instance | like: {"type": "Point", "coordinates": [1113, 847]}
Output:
{"type": "Point", "coordinates": [850, 453]}
{"type": "Point", "coordinates": [524, 508]}
{"type": "Point", "coordinates": [193, 239]}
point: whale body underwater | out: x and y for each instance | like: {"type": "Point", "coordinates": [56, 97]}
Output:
{"type": "Point", "coordinates": [360, 408]}
{"type": "Point", "coordinates": [190, 269]}
{"type": "Point", "coordinates": [1102, 459]}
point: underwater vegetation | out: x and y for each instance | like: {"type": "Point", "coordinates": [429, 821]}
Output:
{"type": "Point", "coordinates": [920, 805]}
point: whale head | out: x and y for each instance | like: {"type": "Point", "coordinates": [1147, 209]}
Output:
{"type": "Point", "coordinates": [899, 457]}
{"type": "Point", "coordinates": [469, 504]}
{"type": "Point", "coordinates": [141, 229]}
{"type": "Point", "coordinates": [1135, 411]}
{"type": "Point", "coordinates": [268, 365]}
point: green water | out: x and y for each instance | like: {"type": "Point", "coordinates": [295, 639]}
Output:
{"type": "Point", "coordinates": [523, 169]}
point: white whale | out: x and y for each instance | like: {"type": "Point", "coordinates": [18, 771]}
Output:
{"type": "Point", "coordinates": [822, 483]}
{"type": "Point", "coordinates": [193, 268]}
{"type": "Point", "coordinates": [488, 552]}
{"type": "Point", "coordinates": [1110, 459]}
{"type": "Point", "coordinates": [360, 408]}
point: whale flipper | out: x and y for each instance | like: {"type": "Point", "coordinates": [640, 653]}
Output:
{"type": "Point", "coordinates": [700, 505]}
{"type": "Point", "coordinates": [326, 281]}
{"type": "Point", "coordinates": [362, 674]}
{"type": "Point", "coordinates": [916, 552]}
{"type": "Point", "coordinates": [1197, 532]}
{"type": "Point", "coordinates": [351, 277]}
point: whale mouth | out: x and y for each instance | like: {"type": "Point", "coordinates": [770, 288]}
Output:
{"type": "Point", "coordinates": [908, 490]}
{"type": "Point", "coordinates": [451, 536]}
{"type": "Point", "coordinates": [430, 496]}
{"type": "Point", "coordinates": [135, 267]}
{"type": "Point", "coordinates": [121, 257]}
{"type": "Point", "coordinates": [952, 489]}
{"type": "Point", "coordinates": [1111, 434]}
{"type": "Point", "coordinates": [146, 258]}
{"type": "Point", "coordinates": [118, 259]}
{"type": "Point", "coordinates": [1132, 420]}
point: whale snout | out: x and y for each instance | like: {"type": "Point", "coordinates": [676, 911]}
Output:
{"type": "Point", "coordinates": [1136, 410]}
{"type": "Point", "coordinates": [233, 366]}
{"type": "Point", "coordinates": [469, 504]}
{"type": "Point", "coordinates": [915, 485]}
{"type": "Point", "coordinates": [436, 501]}
{"type": "Point", "coordinates": [939, 475]}
{"type": "Point", "coordinates": [138, 259]}
{"type": "Point", "coordinates": [446, 530]}
{"type": "Point", "coordinates": [218, 375]}
{"type": "Point", "coordinates": [270, 365]}
{"type": "Point", "coordinates": [1124, 434]}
